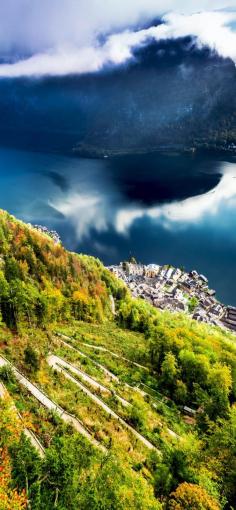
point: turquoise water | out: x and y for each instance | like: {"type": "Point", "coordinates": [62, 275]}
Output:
{"type": "Point", "coordinates": [166, 209]}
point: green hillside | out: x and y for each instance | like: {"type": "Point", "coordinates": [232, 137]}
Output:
{"type": "Point", "coordinates": [93, 404]}
{"type": "Point", "coordinates": [41, 282]}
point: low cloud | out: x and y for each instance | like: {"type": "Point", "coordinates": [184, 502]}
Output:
{"type": "Point", "coordinates": [73, 56]}
{"type": "Point", "coordinates": [35, 26]}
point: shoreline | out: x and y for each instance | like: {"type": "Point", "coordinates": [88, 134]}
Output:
{"type": "Point", "coordinates": [96, 153]}
{"type": "Point", "coordinates": [171, 288]}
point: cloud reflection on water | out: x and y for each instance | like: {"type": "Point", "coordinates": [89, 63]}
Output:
{"type": "Point", "coordinates": [98, 211]}
{"type": "Point", "coordinates": [179, 210]}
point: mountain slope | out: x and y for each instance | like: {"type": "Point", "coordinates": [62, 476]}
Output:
{"type": "Point", "coordinates": [154, 390]}
{"type": "Point", "coordinates": [173, 94]}
{"type": "Point", "coordinates": [41, 282]}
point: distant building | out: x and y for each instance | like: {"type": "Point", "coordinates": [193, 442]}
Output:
{"type": "Point", "coordinates": [176, 275]}
{"type": "Point", "coordinates": [50, 233]}
{"type": "Point", "coordinates": [153, 267]}
{"type": "Point", "coordinates": [211, 292]}
{"type": "Point", "coordinates": [169, 273]}
{"type": "Point", "coordinates": [194, 274]}
{"type": "Point", "coordinates": [172, 289]}
{"type": "Point", "coordinates": [134, 269]}
{"type": "Point", "coordinates": [152, 270]}
{"type": "Point", "coordinates": [203, 278]}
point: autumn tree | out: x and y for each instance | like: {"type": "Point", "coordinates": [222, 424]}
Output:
{"type": "Point", "coordinates": [191, 496]}
{"type": "Point", "coordinates": [10, 499]}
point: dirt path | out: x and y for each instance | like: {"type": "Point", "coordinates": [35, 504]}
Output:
{"type": "Point", "coordinates": [104, 369]}
{"type": "Point", "coordinates": [56, 365]}
{"type": "Point", "coordinates": [110, 374]}
{"type": "Point", "coordinates": [51, 405]}
{"type": "Point", "coordinates": [35, 442]}
{"type": "Point", "coordinates": [87, 378]}
{"type": "Point", "coordinates": [100, 348]}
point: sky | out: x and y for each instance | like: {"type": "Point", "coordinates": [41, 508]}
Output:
{"type": "Point", "coordinates": [61, 37]}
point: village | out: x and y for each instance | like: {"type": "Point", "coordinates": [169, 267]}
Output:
{"type": "Point", "coordinates": [174, 289]}
{"type": "Point", "coordinates": [51, 233]}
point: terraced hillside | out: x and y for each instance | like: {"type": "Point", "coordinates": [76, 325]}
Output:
{"type": "Point", "coordinates": [133, 410]}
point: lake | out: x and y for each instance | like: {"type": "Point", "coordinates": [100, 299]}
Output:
{"type": "Point", "coordinates": [168, 209]}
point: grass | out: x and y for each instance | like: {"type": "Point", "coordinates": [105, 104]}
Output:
{"type": "Point", "coordinates": [153, 414]}
{"type": "Point", "coordinates": [157, 410]}
{"type": "Point", "coordinates": [35, 417]}
{"type": "Point", "coordinates": [123, 342]}
{"type": "Point", "coordinates": [150, 415]}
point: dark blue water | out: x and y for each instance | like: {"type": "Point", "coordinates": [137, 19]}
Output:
{"type": "Point", "coordinates": [173, 209]}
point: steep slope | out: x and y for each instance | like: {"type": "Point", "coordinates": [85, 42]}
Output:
{"type": "Point", "coordinates": [170, 446]}
{"type": "Point", "coordinates": [41, 282]}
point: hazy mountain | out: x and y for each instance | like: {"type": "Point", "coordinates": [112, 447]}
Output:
{"type": "Point", "coordinates": [172, 94]}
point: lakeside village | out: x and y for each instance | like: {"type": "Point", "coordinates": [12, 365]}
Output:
{"type": "Point", "coordinates": [173, 289]}
{"type": "Point", "coordinates": [169, 288]}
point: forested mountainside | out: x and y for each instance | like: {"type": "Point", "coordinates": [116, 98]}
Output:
{"type": "Point", "coordinates": [41, 282]}
{"type": "Point", "coordinates": [104, 398]}
{"type": "Point", "coordinates": [172, 95]}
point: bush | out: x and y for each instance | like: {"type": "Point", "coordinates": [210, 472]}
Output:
{"type": "Point", "coordinates": [7, 374]}
{"type": "Point", "coordinates": [136, 415]}
{"type": "Point", "coordinates": [190, 496]}
{"type": "Point", "coordinates": [31, 359]}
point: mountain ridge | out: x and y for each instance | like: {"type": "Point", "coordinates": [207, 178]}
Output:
{"type": "Point", "coordinates": [171, 90]}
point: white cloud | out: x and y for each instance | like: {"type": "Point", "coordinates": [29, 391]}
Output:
{"type": "Point", "coordinates": [86, 212]}
{"type": "Point", "coordinates": [116, 50]}
{"type": "Point", "coordinates": [98, 212]}
{"type": "Point", "coordinates": [37, 25]}
{"type": "Point", "coordinates": [126, 217]}
{"type": "Point", "coordinates": [211, 28]}
{"type": "Point", "coordinates": [191, 210]}
{"type": "Point", "coordinates": [77, 51]}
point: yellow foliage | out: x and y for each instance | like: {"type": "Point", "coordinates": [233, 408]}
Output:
{"type": "Point", "coordinates": [81, 295]}
{"type": "Point", "coordinates": [10, 424]}
{"type": "Point", "coordinates": [23, 267]}
{"type": "Point", "coordinates": [190, 496]}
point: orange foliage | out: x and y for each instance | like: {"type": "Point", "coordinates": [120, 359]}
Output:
{"type": "Point", "coordinates": [190, 496]}
{"type": "Point", "coordinates": [57, 284]}
{"type": "Point", "coordinates": [99, 289]}
{"type": "Point", "coordinates": [23, 267]}
{"type": "Point", "coordinates": [10, 499]}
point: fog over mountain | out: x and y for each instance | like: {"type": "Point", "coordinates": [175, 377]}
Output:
{"type": "Point", "coordinates": [171, 93]}
{"type": "Point", "coordinates": [107, 43]}
{"type": "Point", "coordinates": [35, 27]}
{"type": "Point", "coordinates": [104, 77]}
